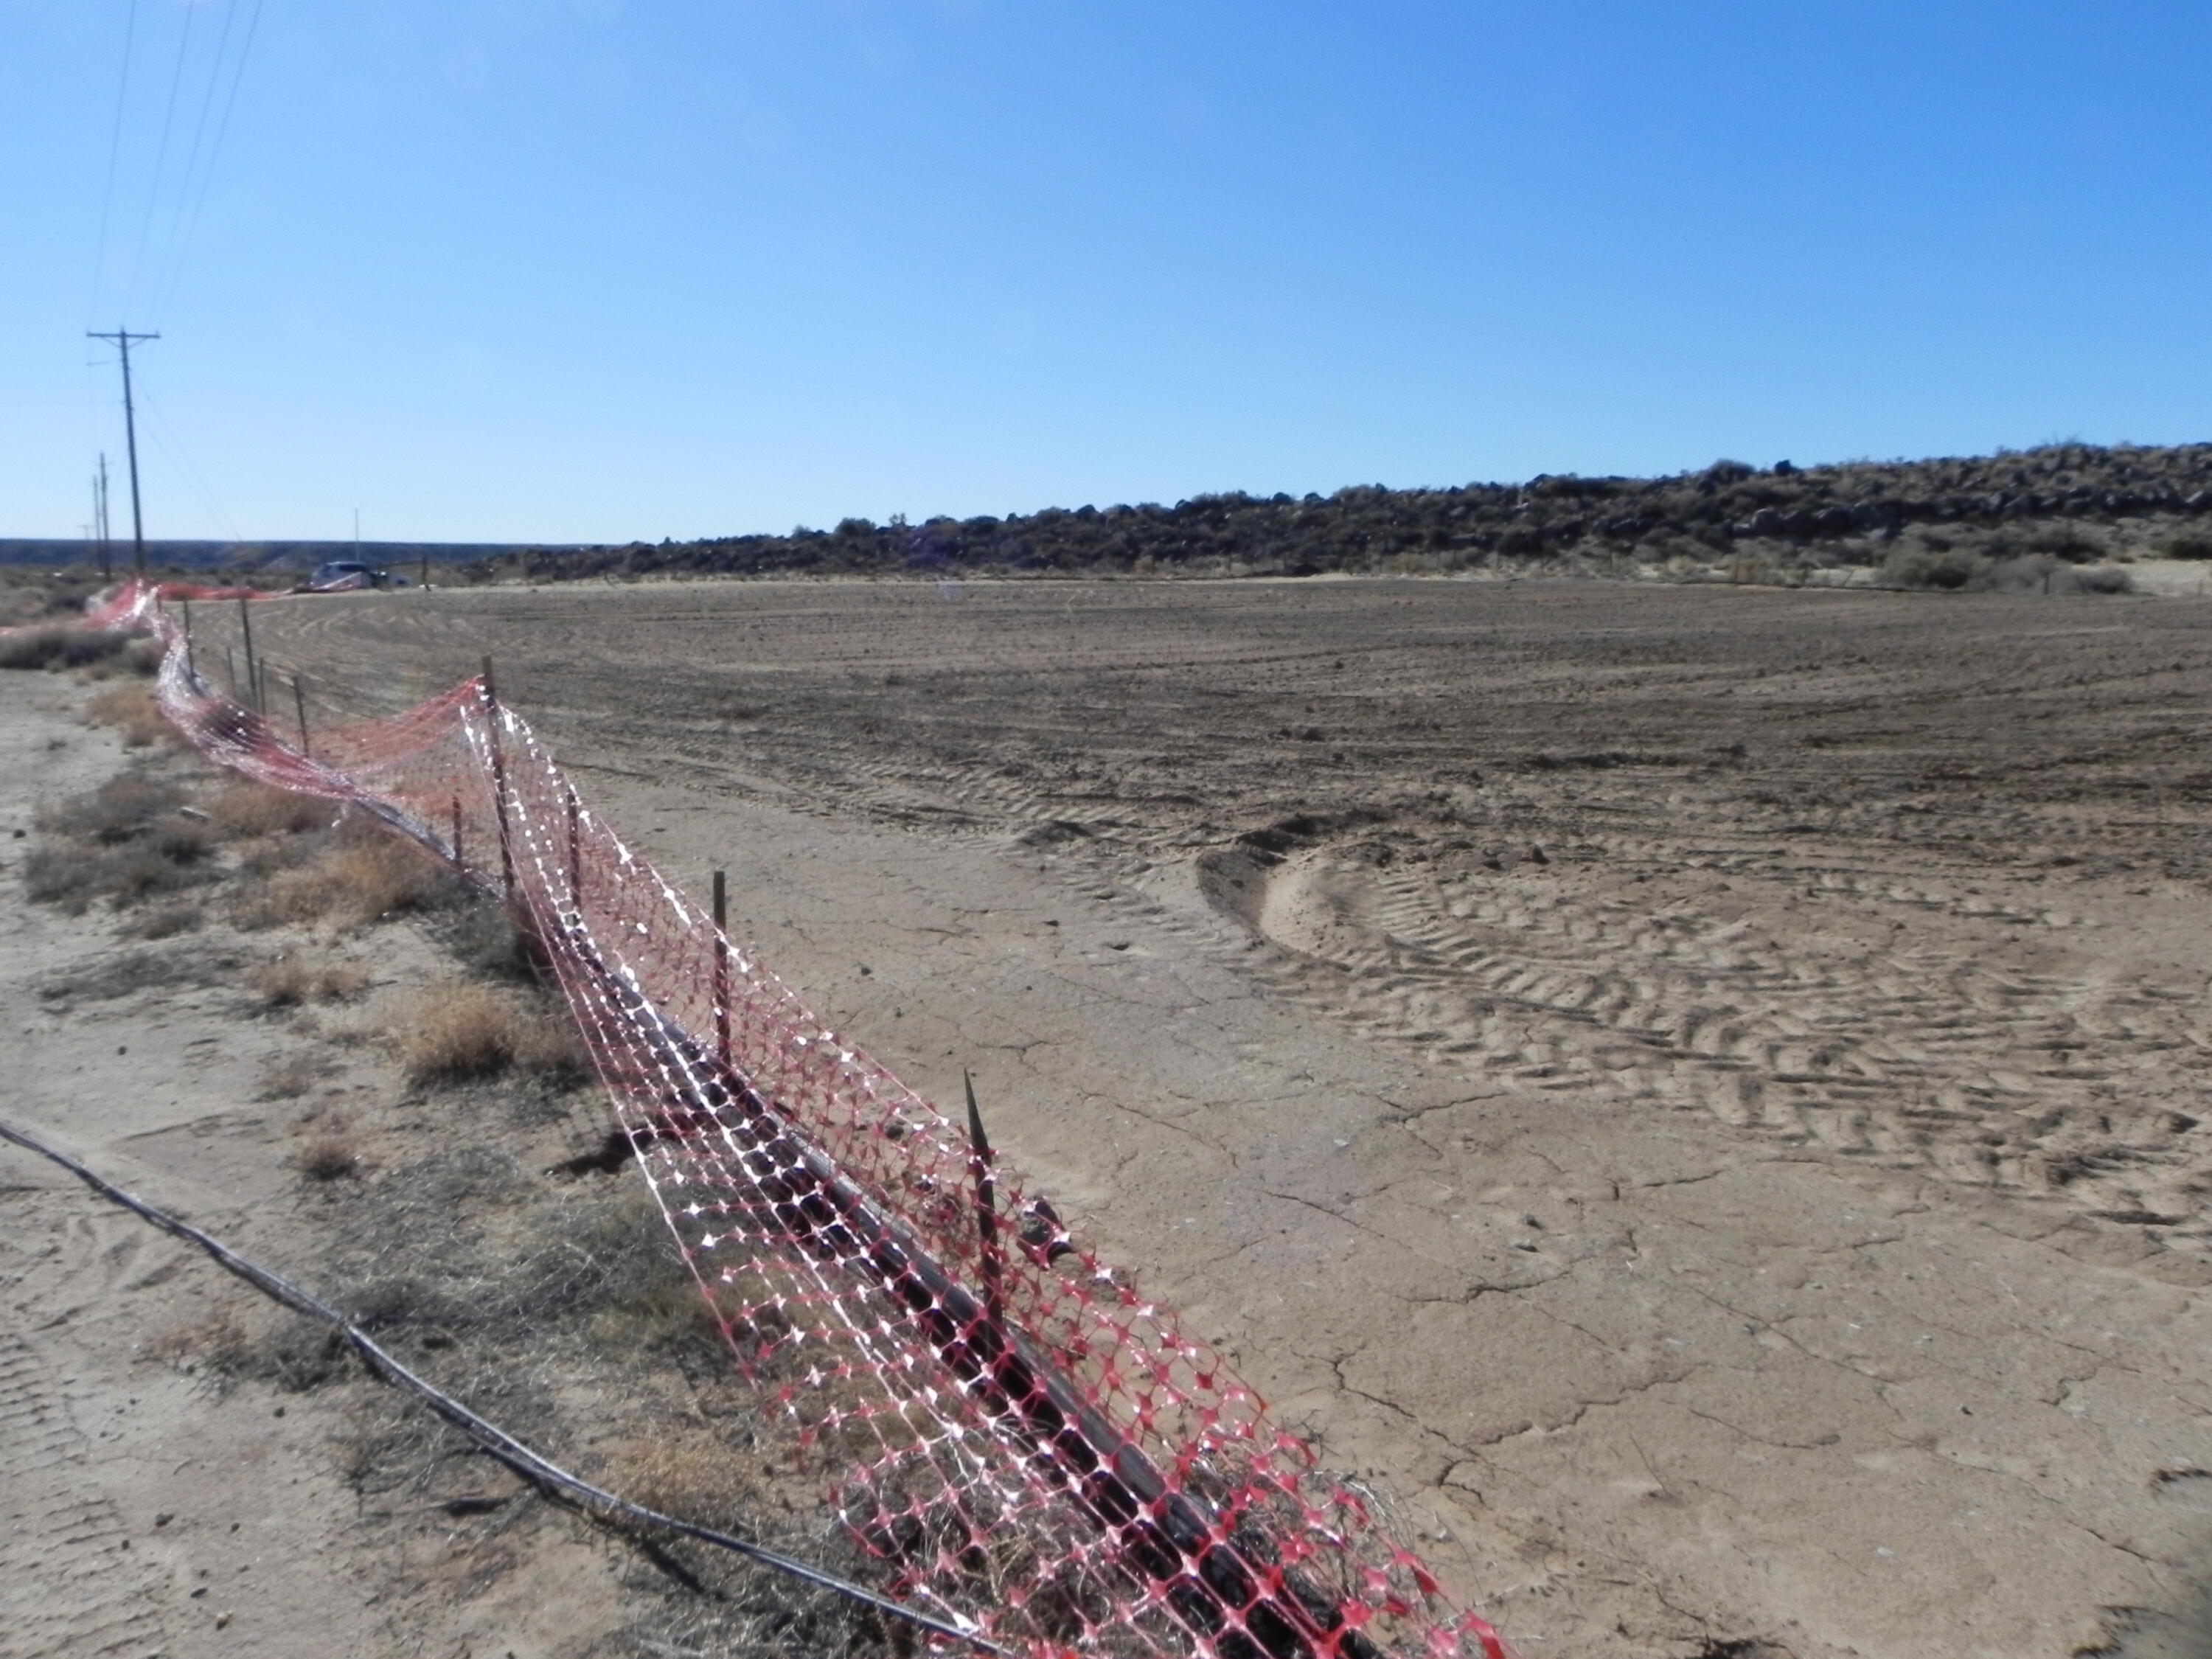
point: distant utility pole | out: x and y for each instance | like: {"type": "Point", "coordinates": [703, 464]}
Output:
{"type": "Point", "coordinates": [99, 513]}
{"type": "Point", "coordinates": [123, 338]}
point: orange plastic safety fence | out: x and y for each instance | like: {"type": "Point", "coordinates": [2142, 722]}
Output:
{"type": "Point", "coordinates": [1026, 1440]}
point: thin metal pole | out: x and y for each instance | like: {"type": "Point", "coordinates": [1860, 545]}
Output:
{"type": "Point", "coordinates": [253, 671]}
{"type": "Point", "coordinates": [721, 967]}
{"type": "Point", "coordinates": [987, 1208]}
{"type": "Point", "coordinates": [185, 605]}
{"type": "Point", "coordinates": [230, 670]}
{"type": "Point", "coordinates": [300, 701]}
{"type": "Point", "coordinates": [498, 784]}
{"type": "Point", "coordinates": [457, 858]}
{"type": "Point", "coordinates": [575, 856]}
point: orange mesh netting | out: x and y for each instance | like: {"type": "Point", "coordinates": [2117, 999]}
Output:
{"type": "Point", "coordinates": [1027, 1443]}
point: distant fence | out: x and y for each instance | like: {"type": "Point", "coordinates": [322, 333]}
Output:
{"type": "Point", "coordinates": [1030, 1446]}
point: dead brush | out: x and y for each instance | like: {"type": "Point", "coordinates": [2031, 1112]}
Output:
{"type": "Point", "coordinates": [250, 811]}
{"type": "Point", "coordinates": [459, 1030]}
{"type": "Point", "coordinates": [687, 1472]}
{"type": "Point", "coordinates": [357, 884]}
{"type": "Point", "coordinates": [60, 647]}
{"type": "Point", "coordinates": [330, 1155]}
{"type": "Point", "coordinates": [133, 712]}
{"type": "Point", "coordinates": [123, 841]}
{"type": "Point", "coordinates": [290, 979]}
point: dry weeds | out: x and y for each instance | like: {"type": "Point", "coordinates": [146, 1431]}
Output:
{"type": "Point", "coordinates": [356, 883]}
{"type": "Point", "coordinates": [132, 711]}
{"type": "Point", "coordinates": [459, 1029]}
{"type": "Point", "coordinates": [290, 979]}
{"type": "Point", "coordinates": [248, 810]}
{"type": "Point", "coordinates": [330, 1156]}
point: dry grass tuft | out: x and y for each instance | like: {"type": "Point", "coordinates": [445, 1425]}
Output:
{"type": "Point", "coordinates": [248, 810]}
{"type": "Point", "coordinates": [356, 883]}
{"type": "Point", "coordinates": [123, 841]}
{"type": "Point", "coordinates": [289, 981]}
{"type": "Point", "coordinates": [458, 1029]}
{"type": "Point", "coordinates": [290, 1079]}
{"type": "Point", "coordinates": [688, 1473]}
{"type": "Point", "coordinates": [167, 921]}
{"type": "Point", "coordinates": [330, 1155]}
{"type": "Point", "coordinates": [132, 710]}
{"type": "Point", "coordinates": [59, 647]}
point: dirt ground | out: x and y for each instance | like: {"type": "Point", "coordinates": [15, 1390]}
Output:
{"type": "Point", "coordinates": [1699, 1089]}
{"type": "Point", "coordinates": [186, 1471]}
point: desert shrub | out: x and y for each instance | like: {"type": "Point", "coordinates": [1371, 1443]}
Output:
{"type": "Point", "coordinates": [255, 809]}
{"type": "Point", "coordinates": [33, 648]}
{"type": "Point", "coordinates": [2100, 579]}
{"type": "Point", "coordinates": [290, 979]}
{"type": "Point", "coordinates": [167, 921]}
{"type": "Point", "coordinates": [2187, 545]}
{"type": "Point", "coordinates": [1924, 565]}
{"type": "Point", "coordinates": [133, 710]}
{"type": "Point", "coordinates": [460, 1029]}
{"type": "Point", "coordinates": [121, 809]}
{"type": "Point", "coordinates": [330, 1156]}
{"type": "Point", "coordinates": [359, 882]}
{"type": "Point", "coordinates": [125, 841]}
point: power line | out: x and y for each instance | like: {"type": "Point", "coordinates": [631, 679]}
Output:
{"type": "Point", "coordinates": [192, 153]}
{"type": "Point", "coordinates": [160, 160]}
{"type": "Point", "coordinates": [114, 149]}
{"type": "Point", "coordinates": [191, 202]}
{"type": "Point", "coordinates": [172, 446]}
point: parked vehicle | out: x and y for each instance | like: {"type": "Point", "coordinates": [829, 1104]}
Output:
{"type": "Point", "coordinates": [347, 576]}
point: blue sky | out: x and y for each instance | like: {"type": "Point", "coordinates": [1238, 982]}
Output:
{"type": "Point", "coordinates": [597, 269]}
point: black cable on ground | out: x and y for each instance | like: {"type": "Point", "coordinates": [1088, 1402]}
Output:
{"type": "Point", "coordinates": [495, 1440]}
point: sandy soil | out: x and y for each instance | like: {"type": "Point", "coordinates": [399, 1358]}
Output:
{"type": "Point", "coordinates": [185, 1471]}
{"type": "Point", "coordinates": [1699, 1089]}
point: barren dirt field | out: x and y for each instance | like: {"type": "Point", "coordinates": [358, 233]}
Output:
{"type": "Point", "coordinates": [1699, 1090]}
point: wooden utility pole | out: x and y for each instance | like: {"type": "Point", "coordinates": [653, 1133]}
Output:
{"type": "Point", "coordinates": [123, 338]}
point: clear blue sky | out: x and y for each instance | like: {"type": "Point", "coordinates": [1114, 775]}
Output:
{"type": "Point", "coordinates": [596, 270]}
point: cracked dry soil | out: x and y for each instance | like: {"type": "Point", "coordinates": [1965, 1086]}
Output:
{"type": "Point", "coordinates": [1699, 1090]}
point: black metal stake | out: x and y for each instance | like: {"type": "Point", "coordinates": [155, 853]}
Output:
{"type": "Point", "coordinates": [499, 784]}
{"type": "Point", "coordinates": [987, 1208]}
{"type": "Point", "coordinates": [721, 967]}
{"type": "Point", "coordinates": [300, 701]}
{"type": "Point", "coordinates": [185, 605]}
{"type": "Point", "coordinates": [575, 857]}
{"type": "Point", "coordinates": [252, 673]}
{"type": "Point", "coordinates": [457, 859]}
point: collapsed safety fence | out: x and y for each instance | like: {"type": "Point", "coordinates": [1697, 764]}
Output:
{"type": "Point", "coordinates": [1032, 1447]}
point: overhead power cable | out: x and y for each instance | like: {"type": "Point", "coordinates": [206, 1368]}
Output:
{"type": "Point", "coordinates": [160, 160]}
{"type": "Point", "coordinates": [530, 1465]}
{"type": "Point", "coordinates": [191, 202]}
{"type": "Point", "coordinates": [114, 149]}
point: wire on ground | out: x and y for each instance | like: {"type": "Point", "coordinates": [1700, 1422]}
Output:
{"type": "Point", "coordinates": [532, 1465]}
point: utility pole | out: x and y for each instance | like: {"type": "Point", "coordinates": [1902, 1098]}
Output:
{"type": "Point", "coordinates": [123, 338]}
